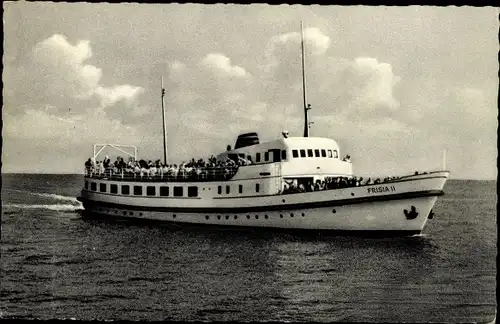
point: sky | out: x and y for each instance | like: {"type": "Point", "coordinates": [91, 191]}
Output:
{"type": "Point", "coordinates": [394, 86]}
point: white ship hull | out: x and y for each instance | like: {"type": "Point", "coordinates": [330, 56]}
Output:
{"type": "Point", "coordinates": [384, 208]}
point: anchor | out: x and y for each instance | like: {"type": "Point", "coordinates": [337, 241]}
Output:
{"type": "Point", "coordinates": [412, 214]}
{"type": "Point", "coordinates": [431, 214]}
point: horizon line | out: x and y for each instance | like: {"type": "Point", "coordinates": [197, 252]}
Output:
{"type": "Point", "coordinates": [69, 173]}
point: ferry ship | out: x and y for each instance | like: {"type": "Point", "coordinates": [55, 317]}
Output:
{"type": "Point", "coordinates": [291, 183]}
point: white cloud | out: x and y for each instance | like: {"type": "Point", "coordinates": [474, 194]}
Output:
{"type": "Point", "coordinates": [315, 41]}
{"type": "Point", "coordinates": [221, 63]}
{"type": "Point", "coordinates": [63, 79]}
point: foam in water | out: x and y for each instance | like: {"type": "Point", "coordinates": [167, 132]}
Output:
{"type": "Point", "coordinates": [57, 207]}
{"type": "Point", "coordinates": [48, 195]}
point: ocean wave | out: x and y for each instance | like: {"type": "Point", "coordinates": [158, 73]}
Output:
{"type": "Point", "coordinates": [47, 195]}
{"type": "Point", "coordinates": [57, 207]}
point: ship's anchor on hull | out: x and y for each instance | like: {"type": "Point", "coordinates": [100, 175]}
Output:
{"type": "Point", "coordinates": [412, 214]}
{"type": "Point", "coordinates": [431, 214]}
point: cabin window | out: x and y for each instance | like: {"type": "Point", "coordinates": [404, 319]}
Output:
{"type": "Point", "coordinates": [151, 191]}
{"type": "Point", "coordinates": [309, 153]}
{"type": "Point", "coordinates": [93, 186]}
{"type": "Point", "coordinates": [86, 184]}
{"type": "Point", "coordinates": [295, 153]}
{"type": "Point", "coordinates": [323, 153]}
{"type": "Point", "coordinates": [257, 157]}
{"type": "Point", "coordinates": [316, 153]}
{"type": "Point", "coordinates": [164, 191]}
{"type": "Point", "coordinates": [335, 154]}
{"type": "Point", "coordinates": [137, 190]}
{"type": "Point", "coordinates": [266, 156]}
{"type": "Point", "coordinates": [125, 190]}
{"type": "Point", "coordinates": [283, 155]}
{"type": "Point", "coordinates": [193, 191]}
{"type": "Point", "coordinates": [219, 190]}
{"type": "Point", "coordinates": [249, 158]}
{"type": "Point", "coordinates": [302, 153]}
{"type": "Point", "coordinates": [113, 189]}
{"type": "Point", "coordinates": [102, 187]}
{"type": "Point", "coordinates": [178, 191]}
{"type": "Point", "coordinates": [227, 189]}
{"type": "Point", "coordinates": [240, 189]}
{"type": "Point", "coordinates": [330, 155]}
{"type": "Point", "coordinates": [257, 187]}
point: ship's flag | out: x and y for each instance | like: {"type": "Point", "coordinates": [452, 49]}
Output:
{"type": "Point", "coordinates": [162, 92]}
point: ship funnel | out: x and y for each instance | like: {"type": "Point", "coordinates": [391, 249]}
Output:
{"type": "Point", "coordinates": [247, 139]}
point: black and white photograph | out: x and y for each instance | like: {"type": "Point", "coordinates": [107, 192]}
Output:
{"type": "Point", "coordinates": [249, 162]}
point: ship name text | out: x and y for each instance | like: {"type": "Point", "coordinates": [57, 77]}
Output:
{"type": "Point", "coordinates": [381, 189]}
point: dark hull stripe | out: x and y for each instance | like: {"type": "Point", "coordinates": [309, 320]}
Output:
{"type": "Point", "coordinates": [306, 205]}
{"type": "Point", "coordinates": [252, 229]}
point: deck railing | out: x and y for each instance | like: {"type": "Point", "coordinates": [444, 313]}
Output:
{"type": "Point", "coordinates": [203, 174]}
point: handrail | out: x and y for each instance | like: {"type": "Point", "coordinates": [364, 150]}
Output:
{"type": "Point", "coordinates": [204, 174]}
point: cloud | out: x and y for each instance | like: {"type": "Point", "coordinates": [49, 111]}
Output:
{"type": "Point", "coordinates": [221, 64]}
{"type": "Point", "coordinates": [62, 79]}
{"type": "Point", "coordinates": [315, 41]}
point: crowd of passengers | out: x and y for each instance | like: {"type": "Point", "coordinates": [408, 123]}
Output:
{"type": "Point", "coordinates": [333, 183]}
{"type": "Point", "coordinates": [192, 170]}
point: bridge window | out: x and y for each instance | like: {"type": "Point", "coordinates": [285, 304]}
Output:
{"type": "Point", "coordinates": [193, 191]}
{"type": "Point", "coordinates": [316, 153]}
{"type": "Point", "coordinates": [219, 191]}
{"type": "Point", "coordinates": [330, 154]}
{"type": "Point", "coordinates": [249, 158]}
{"type": "Point", "coordinates": [102, 187]}
{"type": "Point", "coordinates": [178, 191]}
{"type": "Point", "coordinates": [266, 156]}
{"type": "Point", "coordinates": [151, 191]}
{"type": "Point", "coordinates": [295, 153]}
{"type": "Point", "coordinates": [125, 190]}
{"type": "Point", "coordinates": [93, 186]}
{"type": "Point", "coordinates": [283, 155]}
{"type": "Point", "coordinates": [240, 188]}
{"type": "Point", "coordinates": [302, 153]}
{"type": "Point", "coordinates": [323, 153]}
{"type": "Point", "coordinates": [137, 190]}
{"type": "Point", "coordinates": [86, 184]}
{"type": "Point", "coordinates": [309, 153]}
{"type": "Point", "coordinates": [113, 189]}
{"type": "Point", "coordinates": [164, 191]}
{"type": "Point", "coordinates": [335, 154]}
{"type": "Point", "coordinates": [257, 187]}
{"type": "Point", "coordinates": [227, 189]}
{"type": "Point", "coordinates": [257, 157]}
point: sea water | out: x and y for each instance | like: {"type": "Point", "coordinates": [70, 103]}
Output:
{"type": "Point", "coordinates": [56, 265]}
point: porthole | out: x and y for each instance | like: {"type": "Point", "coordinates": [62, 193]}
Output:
{"type": "Point", "coordinates": [303, 214]}
{"type": "Point", "coordinates": [174, 216]}
{"type": "Point", "coordinates": [248, 216]}
{"type": "Point", "coordinates": [218, 216]}
{"type": "Point", "coordinates": [207, 217]}
{"type": "Point", "coordinates": [131, 213]}
{"type": "Point", "coordinates": [124, 213]}
{"type": "Point", "coordinates": [235, 216]}
{"type": "Point", "coordinates": [266, 217]}
{"type": "Point", "coordinates": [140, 214]}
{"type": "Point", "coordinates": [334, 211]}
{"type": "Point", "coordinates": [352, 193]}
{"type": "Point", "coordinates": [256, 216]}
{"type": "Point", "coordinates": [283, 200]}
{"type": "Point", "coordinates": [227, 217]}
{"type": "Point", "coordinates": [281, 215]}
{"type": "Point", "coordinates": [291, 215]}
{"type": "Point", "coordinates": [116, 211]}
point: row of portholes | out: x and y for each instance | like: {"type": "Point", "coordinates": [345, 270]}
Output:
{"type": "Point", "coordinates": [116, 212]}
{"type": "Point", "coordinates": [208, 217]}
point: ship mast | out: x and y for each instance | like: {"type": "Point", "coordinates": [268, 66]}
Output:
{"type": "Point", "coordinates": [164, 125]}
{"type": "Point", "coordinates": [304, 94]}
